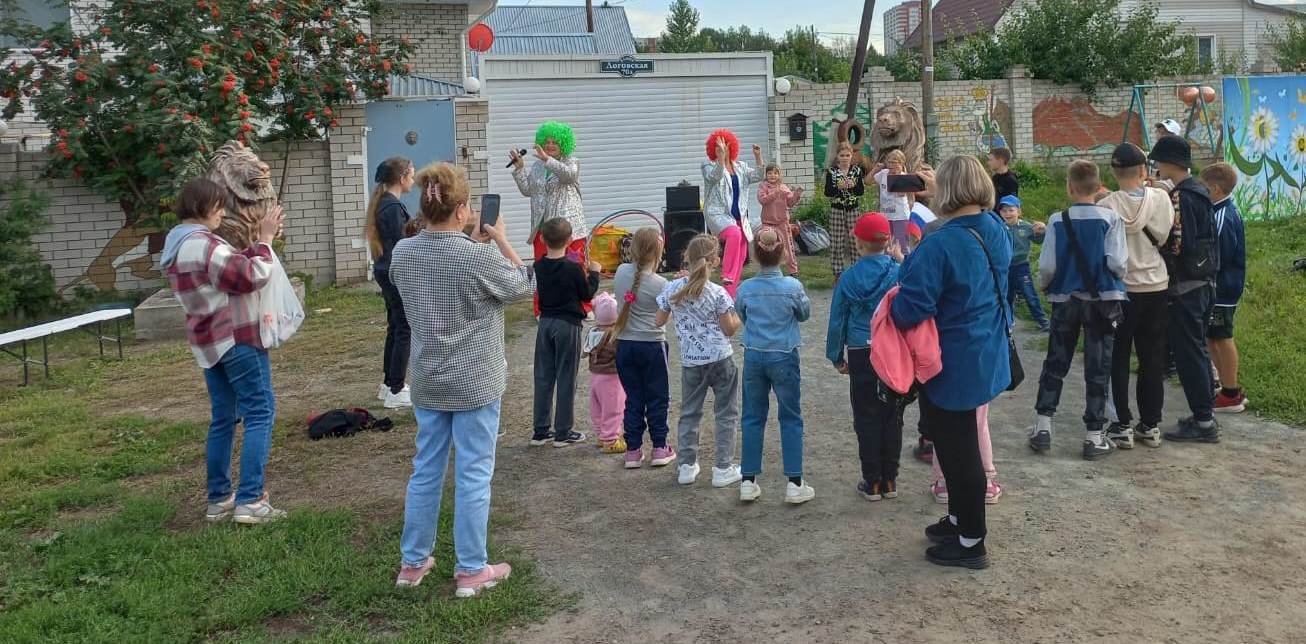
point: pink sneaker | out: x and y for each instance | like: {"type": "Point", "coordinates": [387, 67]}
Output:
{"type": "Point", "coordinates": [634, 459]}
{"type": "Point", "coordinates": [993, 492]}
{"type": "Point", "coordinates": [410, 576]}
{"type": "Point", "coordinates": [939, 489]}
{"type": "Point", "coordinates": [471, 584]}
{"type": "Point", "coordinates": [662, 456]}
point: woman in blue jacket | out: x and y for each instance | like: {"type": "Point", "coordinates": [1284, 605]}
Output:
{"type": "Point", "coordinates": [950, 277]}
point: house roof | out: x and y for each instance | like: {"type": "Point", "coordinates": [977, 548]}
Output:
{"type": "Point", "coordinates": [954, 18]}
{"type": "Point", "coordinates": [549, 30]}
{"type": "Point", "coordinates": [413, 86]}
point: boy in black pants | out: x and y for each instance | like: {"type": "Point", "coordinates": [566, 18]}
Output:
{"type": "Point", "coordinates": [1084, 256]}
{"type": "Point", "coordinates": [1192, 256]}
{"type": "Point", "coordinates": [562, 286]}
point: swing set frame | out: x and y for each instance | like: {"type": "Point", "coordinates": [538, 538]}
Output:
{"type": "Point", "coordinates": [1138, 104]}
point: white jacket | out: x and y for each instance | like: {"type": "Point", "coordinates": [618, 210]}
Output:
{"type": "Point", "coordinates": [1153, 212]}
{"type": "Point", "coordinates": [718, 195]}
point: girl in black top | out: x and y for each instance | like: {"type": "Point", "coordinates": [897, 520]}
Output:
{"type": "Point", "coordinates": [844, 186]}
{"type": "Point", "coordinates": [387, 220]}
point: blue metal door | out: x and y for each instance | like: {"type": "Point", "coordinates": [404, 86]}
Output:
{"type": "Point", "coordinates": [421, 130]}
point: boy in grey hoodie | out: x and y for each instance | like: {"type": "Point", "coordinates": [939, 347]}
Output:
{"type": "Point", "coordinates": [1148, 216]}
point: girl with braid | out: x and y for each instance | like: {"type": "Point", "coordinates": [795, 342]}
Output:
{"type": "Point", "coordinates": [642, 351]}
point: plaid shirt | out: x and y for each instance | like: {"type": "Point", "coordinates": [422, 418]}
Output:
{"type": "Point", "coordinates": [454, 291]}
{"type": "Point", "coordinates": [214, 282]}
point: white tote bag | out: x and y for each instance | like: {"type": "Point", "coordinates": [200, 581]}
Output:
{"type": "Point", "coordinates": [280, 312]}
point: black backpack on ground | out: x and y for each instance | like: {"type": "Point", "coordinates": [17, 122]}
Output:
{"type": "Point", "coordinates": [338, 423]}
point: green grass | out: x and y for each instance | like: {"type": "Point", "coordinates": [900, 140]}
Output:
{"type": "Point", "coordinates": [102, 539]}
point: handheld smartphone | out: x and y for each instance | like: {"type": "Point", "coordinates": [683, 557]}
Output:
{"type": "Point", "coordinates": [489, 210]}
{"type": "Point", "coordinates": [906, 183]}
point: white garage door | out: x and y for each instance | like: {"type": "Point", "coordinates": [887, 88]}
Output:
{"type": "Point", "coordinates": [635, 136]}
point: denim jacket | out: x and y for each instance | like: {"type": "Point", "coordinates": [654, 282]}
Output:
{"type": "Point", "coordinates": [771, 306]}
{"type": "Point", "coordinates": [856, 297]}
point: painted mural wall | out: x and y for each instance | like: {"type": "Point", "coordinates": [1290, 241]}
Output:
{"type": "Point", "coordinates": [1265, 134]}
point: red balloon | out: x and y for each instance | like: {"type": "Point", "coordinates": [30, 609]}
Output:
{"type": "Point", "coordinates": [1187, 94]}
{"type": "Point", "coordinates": [480, 38]}
{"type": "Point", "coordinates": [1208, 94]}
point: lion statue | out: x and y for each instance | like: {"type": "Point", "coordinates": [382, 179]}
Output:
{"type": "Point", "coordinates": [898, 126]}
{"type": "Point", "coordinates": [250, 195]}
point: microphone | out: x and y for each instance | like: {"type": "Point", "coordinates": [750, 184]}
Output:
{"type": "Point", "coordinates": [522, 152]}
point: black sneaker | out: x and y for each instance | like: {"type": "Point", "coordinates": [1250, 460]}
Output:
{"type": "Point", "coordinates": [539, 440]}
{"type": "Point", "coordinates": [956, 555]}
{"type": "Point", "coordinates": [942, 532]}
{"type": "Point", "coordinates": [569, 440]}
{"type": "Point", "coordinates": [1147, 435]}
{"type": "Point", "coordinates": [1190, 432]}
{"type": "Point", "coordinates": [889, 488]}
{"type": "Point", "coordinates": [1040, 441]}
{"type": "Point", "coordinates": [1094, 451]}
{"type": "Point", "coordinates": [870, 491]}
{"type": "Point", "coordinates": [1121, 434]}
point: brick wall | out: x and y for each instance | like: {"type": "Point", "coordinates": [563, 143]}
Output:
{"type": "Point", "coordinates": [818, 102]}
{"type": "Point", "coordinates": [470, 117]}
{"type": "Point", "coordinates": [435, 31]}
{"type": "Point", "coordinates": [348, 195]}
{"type": "Point", "coordinates": [306, 198]}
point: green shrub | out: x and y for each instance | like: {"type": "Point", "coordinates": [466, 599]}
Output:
{"type": "Point", "coordinates": [816, 210]}
{"type": "Point", "coordinates": [1030, 175]}
{"type": "Point", "coordinates": [26, 283]}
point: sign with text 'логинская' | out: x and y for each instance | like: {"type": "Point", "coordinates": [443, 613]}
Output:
{"type": "Point", "coordinates": [626, 66]}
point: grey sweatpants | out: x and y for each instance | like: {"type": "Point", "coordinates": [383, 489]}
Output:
{"type": "Point", "coordinates": [722, 377]}
{"type": "Point", "coordinates": [557, 357]}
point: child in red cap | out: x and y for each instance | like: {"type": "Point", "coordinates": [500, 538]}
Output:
{"type": "Point", "coordinates": [878, 424]}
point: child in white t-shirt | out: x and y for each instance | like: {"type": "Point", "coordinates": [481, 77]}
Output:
{"type": "Point", "coordinates": [895, 206]}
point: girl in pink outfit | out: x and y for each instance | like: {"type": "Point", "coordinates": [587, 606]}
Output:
{"type": "Point", "coordinates": [726, 183]}
{"type": "Point", "coordinates": [776, 199]}
{"type": "Point", "coordinates": [939, 488]}
{"type": "Point", "coordinates": [607, 397]}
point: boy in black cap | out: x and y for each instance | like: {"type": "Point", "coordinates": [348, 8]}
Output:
{"type": "Point", "coordinates": [1192, 256]}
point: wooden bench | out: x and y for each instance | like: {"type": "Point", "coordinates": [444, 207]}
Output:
{"type": "Point", "coordinates": [43, 332]}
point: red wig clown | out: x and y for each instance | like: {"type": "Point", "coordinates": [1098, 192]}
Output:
{"type": "Point", "coordinates": [731, 140]}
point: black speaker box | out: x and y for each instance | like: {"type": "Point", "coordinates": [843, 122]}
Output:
{"type": "Point", "coordinates": [681, 226]}
{"type": "Point", "coordinates": [682, 198]}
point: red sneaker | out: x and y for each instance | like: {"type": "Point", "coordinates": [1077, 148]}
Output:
{"type": "Point", "coordinates": [1231, 404]}
{"type": "Point", "coordinates": [472, 584]}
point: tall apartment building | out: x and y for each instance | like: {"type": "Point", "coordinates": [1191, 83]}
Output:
{"type": "Point", "coordinates": [900, 22]}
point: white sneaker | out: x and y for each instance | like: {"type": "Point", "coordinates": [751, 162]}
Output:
{"type": "Point", "coordinates": [220, 510]}
{"type": "Point", "coordinates": [401, 400]}
{"type": "Point", "coordinates": [799, 493]}
{"type": "Point", "coordinates": [749, 491]}
{"type": "Point", "coordinates": [688, 474]}
{"type": "Point", "coordinates": [722, 477]}
{"type": "Point", "coordinates": [258, 512]}
{"type": "Point", "coordinates": [382, 392]}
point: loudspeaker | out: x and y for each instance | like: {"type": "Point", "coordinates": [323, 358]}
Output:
{"type": "Point", "coordinates": [683, 197]}
{"type": "Point", "coordinates": [681, 226]}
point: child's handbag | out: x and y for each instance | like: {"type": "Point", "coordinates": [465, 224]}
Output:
{"type": "Point", "coordinates": [1013, 358]}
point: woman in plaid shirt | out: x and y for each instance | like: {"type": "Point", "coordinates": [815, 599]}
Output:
{"type": "Point", "coordinates": [454, 288]}
{"type": "Point", "coordinates": [216, 285]}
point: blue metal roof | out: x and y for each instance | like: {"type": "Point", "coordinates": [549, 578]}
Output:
{"type": "Point", "coordinates": [559, 30]}
{"type": "Point", "coordinates": [422, 87]}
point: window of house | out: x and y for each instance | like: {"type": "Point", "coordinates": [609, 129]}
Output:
{"type": "Point", "coordinates": [40, 13]}
{"type": "Point", "coordinates": [1206, 50]}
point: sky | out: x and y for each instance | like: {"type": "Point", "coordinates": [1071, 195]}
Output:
{"type": "Point", "coordinates": [832, 17]}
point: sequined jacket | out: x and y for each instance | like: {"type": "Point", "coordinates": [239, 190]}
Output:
{"type": "Point", "coordinates": [553, 187]}
{"type": "Point", "coordinates": [716, 196]}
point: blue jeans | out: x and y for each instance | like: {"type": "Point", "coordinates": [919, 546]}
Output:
{"type": "Point", "coordinates": [765, 371]}
{"type": "Point", "coordinates": [642, 369]}
{"type": "Point", "coordinates": [240, 386]}
{"type": "Point", "coordinates": [473, 435]}
{"type": "Point", "coordinates": [1021, 282]}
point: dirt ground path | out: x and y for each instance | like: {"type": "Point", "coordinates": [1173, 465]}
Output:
{"type": "Point", "coordinates": [1181, 544]}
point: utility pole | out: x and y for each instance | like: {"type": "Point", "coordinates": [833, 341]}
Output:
{"type": "Point", "coordinates": [859, 61]}
{"type": "Point", "coordinates": [927, 74]}
{"type": "Point", "coordinates": [589, 16]}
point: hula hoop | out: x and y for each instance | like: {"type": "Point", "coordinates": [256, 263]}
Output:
{"type": "Point", "coordinates": [618, 215]}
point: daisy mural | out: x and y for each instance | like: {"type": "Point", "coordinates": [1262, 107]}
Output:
{"type": "Point", "coordinates": [1266, 141]}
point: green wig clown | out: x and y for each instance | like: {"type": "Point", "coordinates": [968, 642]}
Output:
{"type": "Point", "coordinates": [561, 134]}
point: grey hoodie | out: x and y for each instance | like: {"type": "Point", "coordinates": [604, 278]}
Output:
{"type": "Point", "coordinates": [1151, 210]}
{"type": "Point", "coordinates": [172, 243]}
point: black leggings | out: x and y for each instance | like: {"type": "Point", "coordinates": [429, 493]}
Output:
{"type": "Point", "coordinates": [397, 335]}
{"type": "Point", "coordinates": [878, 424]}
{"type": "Point", "coordinates": [956, 447]}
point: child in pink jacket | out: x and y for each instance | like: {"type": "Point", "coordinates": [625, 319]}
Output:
{"type": "Point", "coordinates": [776, 199]}
{"type": "Point", "coordinates": [607, 397]}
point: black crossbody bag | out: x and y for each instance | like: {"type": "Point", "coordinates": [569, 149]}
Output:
{"type": "Point", "coordinates": [1013, 358]}
{"type": "Point", "coordinates": [1102, 316]}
